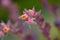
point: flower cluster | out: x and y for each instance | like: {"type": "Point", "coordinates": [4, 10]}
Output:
{"type": "Point", "coordinates": [30, 17]}
{"type": "Point", "coordinates": [22, 25]}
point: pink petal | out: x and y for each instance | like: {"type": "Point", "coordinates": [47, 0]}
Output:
{"type": "Point", "coordinates": [31, 12]}
{"type": "Point", "coordinates": [30, 21]}
{"type": "Point", "coordinates": [1, 34]}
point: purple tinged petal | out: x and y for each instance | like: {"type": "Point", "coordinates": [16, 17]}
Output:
{"type": "Point", "coordinates": [8, 23]}
{"type": "Point", "coordinates": [33, 8]}
{"type": "Point", "coordinates": [25, 10]}
{"type": "Point", "coordinates": [37, 14]}
{"type": "Point", "coordinates": [0, 28]}
{"type": "Point", "coordinates": [3, 24]}
{"type": "Point", "coordinates": [30, 12]}
{"type": "Point", "coordinates": [30, 21]}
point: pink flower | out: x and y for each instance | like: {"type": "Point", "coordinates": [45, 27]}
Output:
{"type": "Point", "coordinates": [6, 27]}
{"type": "Point", "coordinates": [31, 12]}
{"type": "Point", "coordinates": [30, 21]}
{"type": "Point", "coordinates": [24, 17]}
{"type": "Point", "coordinates": [6, 2]}
{"type": "Point", "coordinates": [1, 34]}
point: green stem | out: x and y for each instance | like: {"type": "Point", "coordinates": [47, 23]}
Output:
{"type": "Point", "coordinates": [5, 37]}
{"type": "Point", "coordinates": [0, 38]}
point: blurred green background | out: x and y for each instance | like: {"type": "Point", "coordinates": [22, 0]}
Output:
{"type": "Point", "coordinates": [28, 4]}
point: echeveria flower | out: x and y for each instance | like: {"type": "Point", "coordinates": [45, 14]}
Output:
{"type": "Point", "coordinates": [5, 27]}
{"type": "Point", "coordinates": [30, 12]}
{"type": "Point", "coordinates": [24, 17]}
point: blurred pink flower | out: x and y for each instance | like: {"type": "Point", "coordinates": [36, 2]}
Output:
{"type": "Point", "coordinates": [5, 3]}
{"type": "Point", "coordinates": [5, 27]}
{"type": "Point", "coordinates": [31, 12]}
{"type": "Point", "coordinates": [13, 12]}
{"type": "Point", "coordinates": [1, 34]}
{"type": "Point", "coordinates": [30, 21]}
{"type": "Point", "coordinates": [24, 17]}
{"type": "Point", "coordinates": [12, 8]}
